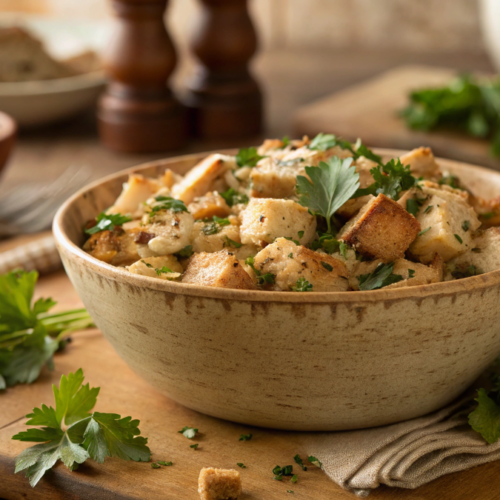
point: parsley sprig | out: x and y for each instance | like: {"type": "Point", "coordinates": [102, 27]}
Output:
{"type": "Point", "coordinates": [302, 285]}
{"type": "Point", "coordinates": [72, 434]}
{"type": "Point", "coordinates": [485, 419]}
{"type": "Point", "coordinates": [332, 184]}
{"type": "Point", "coordinates": [266, 278]}
{"type": "Point", "coordinates": [107, 222]}
{"type": "Point", "coordinates": [323, 142]}
{"type": "Point", "coordinates": [232, 197]}
{"type": "Point", "coordinates": [248, 157]}
{"type": "Point", "coordinates": [214, 226]}
{"type": "Point", "coordinates": [381, 277]}
{"type": "Point", "coordinates": [168, 203]}
{"type": "Point", "coordinates": [29, 335]}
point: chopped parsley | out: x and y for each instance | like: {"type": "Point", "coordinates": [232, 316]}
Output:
{"type": "Point", "coordinates": [232, 197]}
{"type": "Point", "coordinates": [301, 234]}
{"type": "Point", "coordinates": [411, 273]}
{"type": "Point", "coordinates": [168, 203]}
{"type": "Point", "coordinates": [185, 252]}
{"type": "Point", "coordinates": [194, 446]}
{"type": "Point", "coordinates": [290, 255]}
{"type": "Point", "coordinates": [413, 205]}
{"type": "Point", "coordinates": [242, 466]}
{"type": "Point", "coordinates": [232, 243]}
{"type": "Point", "coordinates": [465, 225]}
{"type": "Point", "coordinates": [154, 465]}
{"type": "Point", "coordinates": [428, 209]}
{"type": "Point", "coordinates": [381, 277]}
{"type": "Point", "coordinates": [458, 238]}
{"type": "Point", "coordinates": [285, 141]}
{"type": "Point", "coordinates": [423, 231]}
{"type": "Point", "coordinates": [467, 273]}
{"type": "Point", "coordinates": [302, 285]}
{"type": "Point", "coordinates": [323, 142]}
{"type": "Point", "coordinates": [294, 478]}
{"type": "Point", "coordinates": [485, 419]}
{"type": "Point", "coordinates": [215, 226]}
{"type": "Point", "coordinates": [488, 215]}
{"type": "Point", "coordinates": [248, 157]}
{"type": "Point", "coordinates": [290, 491]}
{"type": "Point", "coordinates": [314, 461]}
{"type": "Point", "coordinates": [188, 432]}
{"type": "Point", "coordinates": [166, 464]}
{"type": "Point", "coordinates": [327, 266]}
{"type": "Point", "coordinates": [108, 222]}
{"type": "Point", "coordinates": [299, 461]}
{"type": "Point", "coordinates": [287, 470]}
{"type": "Point", "coordinates": [331, 184]}
{"type": "Point", "coordinates": [266, 278]}
{"type": "Point", "coordinates": [450, 180]}
{"type": "Point", "coordinates": [476, 250]}
{"type": "Point", "coordinates": [245, 437]}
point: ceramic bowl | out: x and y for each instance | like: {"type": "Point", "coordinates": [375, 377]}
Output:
{"type": "Point", "coordinates": [301, 361]}
{"type": "Point", "coordinates": [8, 131]}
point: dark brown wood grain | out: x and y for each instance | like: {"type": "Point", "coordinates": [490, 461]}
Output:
{"type": "Point", "coordinates": [138, 113]}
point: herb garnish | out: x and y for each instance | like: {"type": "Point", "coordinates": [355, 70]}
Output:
{"type": "Point", "coordinates": [268, 278]}
{"type": "Point", "coordinates": [488, 215]}
{"type": "Point", "coordinates": [294, 478]}
{"type": "Point", "coordinates": [302, 285]}
{"type": "Point", "coordinates": [154, 465]}
{"type": "Point", "coordinates": [72, 434]}
{"type": "Point", "coordinates": [485, 419]}
{"type": "Point", "coordinates": [428, 209]}
{"type": "Point", "coordinates": [232, 197]}
{"type": "Point", "coordinates": [189, 432]}
{"type": "Point", "coordinates": [279, 472]}
{"type": "Point", "coordinates": [314, 461]}
{"type": "Point", "coordinates": [215, 225]}
{"type": "Point", "coordinates": [29, 336]}
{"type": "Point", "coordinates": [333, 183]}
{"type": "Point", "coordinates": [298, 461]}
{"type": "Point", "coordinates": [467, 273]}
{"type": "Point", "coordinates": [232, 243]}
{"type": "Point", "coordinates": [166, 464]}
{"type": "Point", "coordinates": [381, 277]}
{"type": "Point", "coordinates": [458, 238]}
{"type": "Point", "coordinates": [413, 205]}
{"type": "Point", "coordinates": [248, 157]}
{"type": "Point", "coordinates": [159, 272]}
{"type": "Point", "coordinates": [327, 266]}
{"type": "Point", "coordinates": [411, 273]}
{"type": "Point", "coordinates": [450, 180]}
{"type": "Point", "coordinates": [194, 446]}
{"type": "Point", "coordinates": [185, 252]}
{"type": "Point", "coordinates": [323, 142]}
{"type": "Point", "coordinates": [465, 225]}
{"type": "Point", "coordinates": [242, 466]}
{"type": "Point", "coordinates": [423, 231]}
{"type": "Point", "coordinates": [168, 203]}
{"type": "Point", "coordinates": [108, 222]}
{"type": "Point", "coordinates": [245, 437]}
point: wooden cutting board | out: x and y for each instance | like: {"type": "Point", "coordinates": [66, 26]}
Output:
{"type": "Point", "coordinates": [370, 110]}
{"type": "Point", "coordinates": [125, 393]}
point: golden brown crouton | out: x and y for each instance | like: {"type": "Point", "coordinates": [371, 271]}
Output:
{"type": "Point", "coordinates": [219, 269]}
{"type": "Point", "coordinates": [382, 230]}
{"type": "Point", "coordinates": [113, 247]}
{"type": "Point", "coordinates": [289, 262]}
{"type": "Point", "coordinates": [422, 163]}
{"type": "Point", "coordinates": [270, 180]}
{"type": "Point", "coordinates": [266, 219]}
{"type": "Point", "coordinates": [135, 191]}
{"type": "Point", "coordinates": [210, 237]}
{"type": "Point", "coordinates": [413, 273]}
{"type": "Point", "coordinates": [200, 178]}
{"type": "Point", "coordinates": [205, 207]}
{"type": "Point", "coordinates": [219, 484]}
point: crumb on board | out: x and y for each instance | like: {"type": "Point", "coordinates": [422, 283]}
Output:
{"type": "Point", "coordinates": [219, 484]}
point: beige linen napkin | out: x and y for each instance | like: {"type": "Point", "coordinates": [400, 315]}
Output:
{"type": "Point", "coordinates": [405, 455]}
{"type": "Point", "coordinates": [40, 255]}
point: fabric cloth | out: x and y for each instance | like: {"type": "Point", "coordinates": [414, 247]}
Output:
{"type": "Point", "coordinates": [40, 255]}
{"type": "Point", "coordinates": [405, 455]}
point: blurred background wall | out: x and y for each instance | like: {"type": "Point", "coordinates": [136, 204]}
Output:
{"type": "Point", "coordinates": [418, 26]}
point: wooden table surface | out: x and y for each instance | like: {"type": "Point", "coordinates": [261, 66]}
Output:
{"type": "Point", "coordinates": [125, 393]}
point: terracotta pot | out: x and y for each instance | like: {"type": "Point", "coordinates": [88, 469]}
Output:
{"type": "Point", "coordinates": [310, 361]}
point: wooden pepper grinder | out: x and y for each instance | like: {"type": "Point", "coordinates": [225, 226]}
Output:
{"type": "Point", "coordinates": [225, 102]}
{"type": "Point", "coordinates": [138, 113]}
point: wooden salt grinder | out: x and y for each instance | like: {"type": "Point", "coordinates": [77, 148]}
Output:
{"type": "Point", "coordinates": [138, 113]}
{"type": "Point", "coordinates": [225, 102]}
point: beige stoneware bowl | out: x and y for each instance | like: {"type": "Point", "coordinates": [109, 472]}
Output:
{"type": "Point", "coordinates": [302, 361]}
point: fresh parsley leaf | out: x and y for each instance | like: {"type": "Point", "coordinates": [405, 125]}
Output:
{"type": "Point", "coordinates": [323, 142]}
{"type": "Point", "coordinates": [343, 247]}
{"type": "Point", "coordinates": [465, 225]}
{"type": "Point", "coordinates": [485, 419]}
{"type": "Point", "coordinates": [428, 209]}
{"type": "Point", "coordinates": [245, 437]}
{"type": "Point", "coordinates": [290, 255]}
{"type": "Point", "coordinates": [382, 276]}
{"type": "Point", "coordinates": [168, 203]}
{"type": "Point", "coordinates": [457, 237]}
{"type": "Point", "coordinates": [290, 491]}
{"type": "Point", "coordinates": [423, 231]}
{"type": "Point", "coordinates": [154, 465]}
{"type": "Point", "coordinates": [302, 285]}
{"type": "Point", "coordinates": [248, 157]}
{"type": "Point", "coordinates": [215, 226]}
{"type": "Point", "coordinates": [107, 222]}
{"type": "Point", "coordinates": [285, 141]}
{"type": "Point", "coordinates": [294, 478]}
{"type": "Point", "coordinates": [185, 252]}
{"type": "Point", "coordinates": [83, 435]}
{"type": "Point", "coordinates": [411, 273]}
{"type": "Point", "coordinates": [299, 461]}
{"type": "Point", "coordinates": [327, 243]}
{"type": "Point", "coordinates": [232, 197]}
{"type": "Point", "coordinates": [301, 234]}
{"type": "Point", "coordinates": [266, 278]}
{"type": "Point", "coordinates": [314, 461]}
{"type": "Point", "coordinates": [189, 432]}
{"type": "Point", "coordinates": [194, 446]}
{"type": "Point", "coordinates": [327, 266]}
{"type": "Point", "coordinates": [242, 466]}
{"type": "Point", "coordinates": [332, 184]}
{"type": "Point", "coordinates": [166, 464]}
{"type": "Point", "coordinates": [232, 243]}
{"type": "Point", "coordinates": [450, 180]}
{"type": "Point", "coordinates": [390, 180]}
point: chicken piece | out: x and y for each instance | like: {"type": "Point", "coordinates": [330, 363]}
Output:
{"type": "Point", "coordinates": [413, 273]}
{"type": "Point", "coordinates": [422, 163]}
{"type": "Point", "coordinates": [171, 231]}
{"type": "Point", "coordinates": [266, 219]}
{"type": "Point", "coordinates": [157, 267]}
{"type": "Point", "coordinates": [205, 207]}
{"type": "Point", "coordinates": [351, 207]}
{"type": "Point", "coordinates": [382, 230]}
{"type": "Point", "coordinates": [211, 237]}
{"type": "Point", "coordinates": [289, 262]}
{"type": "Point", "coordinates": [448, 223]}
{"type": "Point", "coordinates": [202, 178]}
{"type": "Point", "coordinates": [219, 484]}
{"type": "Point", "coordinates": [117, 247]}
{"type": "Point", "coordinates": [483, 256]}
{"type": "Point", "coordinates": [219, 269]}
{"type": "Point", "coordinates": [269, 180]}
{"type": "Point", "coordinates": [135, 191]}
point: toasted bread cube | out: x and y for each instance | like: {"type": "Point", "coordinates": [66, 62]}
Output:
{"type": "Point", "coordinates": [117, 248]}
{"type": "Point", "coordinates": [201, 178]}
{"type": "Point", "coordinates": [289, 262]}
{"type": "Point", "coordinates": [171, 231]}
{"type": "Point", "coordinates": [205, 207]}
{"type": "Point", "coordinates": [351, 207]}
{"type": "Point", "coordinates": [421, 275]}
{"type": "Point", "coordinates": [269, 180]}
{"type": "Point", "coordinates": [219, 484]}
{"type": "Point", "coordinates": [154, 267]}
{"type": "Point", "coordinates": [209, 243]}
{"type": "Point", "coordinates": [382, 230]}
{"type": "Point", "coordinates": [482, 257]}
{"type": "Point", "coordinates": [135, 191]}
{"type": "Point", "coordinates": [219, 269]}
{"type": "Point", "coordinates": [422, 163]}
{"type": "Point", "coordinates": [266, 219]}
{"type": "Point", "coordinates": [448, 223]}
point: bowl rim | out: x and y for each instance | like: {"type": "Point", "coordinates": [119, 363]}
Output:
{"type": "Point", "coordinates": [435, 290]}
